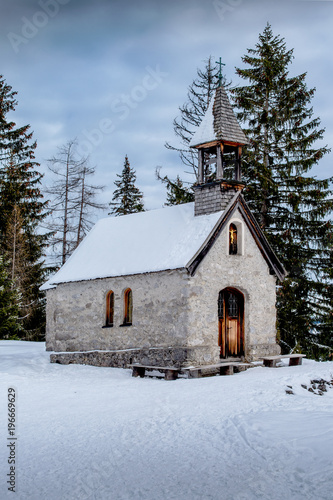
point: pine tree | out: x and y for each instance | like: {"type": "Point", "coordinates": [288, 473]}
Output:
{"type": "Point", "coordinates": [127, 199]}
{"type": "Point", "coordinates": [291, 206]}
{"type": "Point", "coordinates": [20, 193]}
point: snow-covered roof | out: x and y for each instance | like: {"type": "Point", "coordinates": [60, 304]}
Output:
{"type": "Point", "coordinates": [151, 241]}
{"type": "Point", "coordinates": [219, 123]}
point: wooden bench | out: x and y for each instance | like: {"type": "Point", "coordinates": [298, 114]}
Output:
{"type": "Point", "coordinates": [294, 359]}
{"type": "Point", "coordinates": [170, 373]}
{"type": "Point", "coordinates": [220, 368]}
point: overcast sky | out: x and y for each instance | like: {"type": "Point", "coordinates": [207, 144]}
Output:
{"type": "Point", "coordinates": [113, 72]}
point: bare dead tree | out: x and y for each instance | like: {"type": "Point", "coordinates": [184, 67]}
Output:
{"type": "Point", "coordinates": [192, 112]}
{"type": "Point", "coordinates": [72, 199]}
{"type": "Point", "coordinates": [66, 168]}
{"type": "Point", "coordinates": [86, 203]}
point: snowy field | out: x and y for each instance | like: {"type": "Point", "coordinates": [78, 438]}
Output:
{"type": "Point", "coordinates": [97, 433]}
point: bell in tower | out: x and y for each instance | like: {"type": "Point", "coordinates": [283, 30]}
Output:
{"type": "Point", "coordinates": [219, 140]}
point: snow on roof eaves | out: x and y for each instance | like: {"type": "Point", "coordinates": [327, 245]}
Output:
{"type": "Point", "coordinates": [151, 241]}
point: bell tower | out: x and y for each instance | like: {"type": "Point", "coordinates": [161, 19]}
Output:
{"type": "Point", "coordinates": [219, 141]}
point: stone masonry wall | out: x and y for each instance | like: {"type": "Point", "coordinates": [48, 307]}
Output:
{"type": "Point", "coordinates": [248, 272]}
{"type": "Point", "coordinates": [171, 356]}
{"type": "Point", "coordinates": [76, 313]}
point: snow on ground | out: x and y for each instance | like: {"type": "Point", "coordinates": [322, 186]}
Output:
{"type": "Point", "coordinates": [97, 433]}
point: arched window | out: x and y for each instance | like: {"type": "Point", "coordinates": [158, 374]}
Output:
{"type": "Point", "coordinates": [109, 308]}
{"type": "Point", "coordinates": [232, 239]}
{"type": "Point", "coordinates": [128, 306]}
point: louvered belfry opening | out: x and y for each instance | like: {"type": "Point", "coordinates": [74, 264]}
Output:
{"type": "Point", "coordinates": [219, 162]}
{"type": "Point", "coordinates": [219, 140]}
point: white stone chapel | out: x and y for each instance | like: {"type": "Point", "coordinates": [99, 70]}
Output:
{"type": "Point", "coordinates": [184, 285]}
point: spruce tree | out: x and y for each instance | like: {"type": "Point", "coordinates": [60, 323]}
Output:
{"type": "Point", "coordinates": [20, 197]}
{"type": "Point", "coordinates": [291, 206]}
{"type": "Point", "coordinates": [177, 193]}
{"type": "Point", "coordinates": [127, 199]}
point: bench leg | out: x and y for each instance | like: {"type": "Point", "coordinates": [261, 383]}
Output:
{"type": "Point", "coordinates": [227, 370]}
{"type": "Point", "coordinates": [270, 363]}
{"type": "Point", "coordinates": [171, 375]}
{"type": "Point", "coordinates": [138, 371]}
{"type": "Point", "coordinates": [295, 361]}
{"type": "Point", "coordinates": [194, 374]}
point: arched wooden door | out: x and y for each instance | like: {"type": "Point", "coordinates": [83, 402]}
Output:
{"type": "Point", "coordinates": [231, 322]}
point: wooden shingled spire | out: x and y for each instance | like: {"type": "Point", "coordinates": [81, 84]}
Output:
{"type": "Point", "coordinates": [219, 124]}
{"type": "Point", "coordinates": [226, 126]}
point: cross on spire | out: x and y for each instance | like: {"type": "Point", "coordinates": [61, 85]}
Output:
{"type": "Point", "coordinates": [220, 63]}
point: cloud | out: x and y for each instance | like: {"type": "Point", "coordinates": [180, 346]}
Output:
{"type": "Point", "coordinates": [90, 54]}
